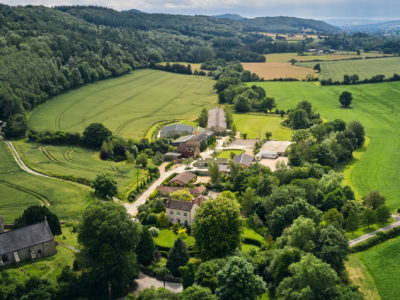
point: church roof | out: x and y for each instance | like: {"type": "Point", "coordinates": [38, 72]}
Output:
{"type": "Point", "coordinates": [25, 237]}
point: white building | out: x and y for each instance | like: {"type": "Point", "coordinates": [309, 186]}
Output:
{"type": "Point", "coordinates": [266, 154]}
{"type": "Point", "coordinates": [182, 212]}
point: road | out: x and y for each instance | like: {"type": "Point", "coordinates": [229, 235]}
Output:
{"type": "Point", "coordinates": [371, 234]}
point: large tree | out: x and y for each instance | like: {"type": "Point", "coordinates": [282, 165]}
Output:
{"type": "Point", "coordinates": [221, 217]}
{"type": "Point", "coordinates": [178, 256]}
{"type": "Point", "coordinates": [145, 247]}
{"type": "Point", "coordinates": [35, 214]}
{"type": "Point", "coordinates": [310, 279]}
{"type": "Point", "coordinates": [95, 134]}
{"type": "Point", "coordinates": [206, 274]}
{"type": "Point", "coordinates": [373, 200]}
{"type": "Point", "coordinates": [237, 281]}
{"type": "Point", "coordinates": [105, 186]}
{"type": "Point", "coordinates": [203, 118]}
{"type": "Point", "coordinates": [109, 238]}
{"type": "Point", "coordinates": [197, 292]}
{"type": "Point", "coordinates": [345, 99]}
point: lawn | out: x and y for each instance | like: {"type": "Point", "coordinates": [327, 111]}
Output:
{"type": "Point", "coordinates": [19, 190]}
{"type": "Point", "coordinates": [251, 234]}
{"type": "Point", "coordinates": [376, 106]}
{"type": "Point", "coordinates": [77, 162]}
{"type": "Point", "coordinates": [381, 261]}
{"type": "Point", "coordinates": [46, 268]}
{"type": "Point", "coordinates": [227, 153]}
{"type": "Point", "coordinates": [128, 105]}
{"type": "Point", "coordinates": [256, 125]}
{"type": "Point", "coordinates": [365, 68]}
{"type": "Point", "coordinates": [166, 239]}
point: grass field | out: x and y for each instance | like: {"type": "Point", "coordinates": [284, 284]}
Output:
{"type": "Point", "coordinates": [254, 125]}
{"type": "Point", "coordinates": [271, 70]}
{"type": "Point", "coordinates": [128, 105]}
{"type": "Point", "coordinates": [378, 167]}
{"type": "Point", "coordinates": [365, 68]}
{"type": "Point", "coordinates": [19, 190]}
{"type": "Point", "coordinates": [382, 261]}
{"type": "Point", "coordinates": [78, 162]}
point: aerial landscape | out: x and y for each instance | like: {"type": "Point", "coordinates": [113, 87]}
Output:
{"type": "Point", "coordinates": [199, 150]}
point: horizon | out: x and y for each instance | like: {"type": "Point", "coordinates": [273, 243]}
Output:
{"type": "Point", "coordinates": [335, 11]}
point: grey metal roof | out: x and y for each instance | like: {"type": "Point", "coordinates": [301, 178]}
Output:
{"type": "Point", "coordinates": [180, 205]}
{"type": "Point", "coordinates": [202, 136]}
{"type": "Point", "coordinates": [216, 119]}
{"type": "Point", "coordinates": [25, 237]}
{"type": "Point", "coordinates": [176, 128]}
{"type": "Point", "coordinates": [243, 159]}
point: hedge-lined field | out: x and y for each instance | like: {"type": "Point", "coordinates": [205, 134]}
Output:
{"type": "Point", "coordinates": [364, 68]}
{"type": "Point", "coordinates": [19, 190]}
{"type": "Point", "coordinates": [128, 105]}
{"type": "Point", "coordinates": [378, 167]}
{"type": "Point", "coordinates": [77, 162]}
{"type": "Point", "coordinates": [381, 262]}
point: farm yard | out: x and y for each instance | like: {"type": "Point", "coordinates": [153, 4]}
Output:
{"type": "Point", "coordinates": [77, 162]}
{"type": "Point", "coordinates": [378, 262]}
{"type": "Point", "coordinates": [377, 109]}
{"type": "Point", "coordinates": [128, 105]}
{"type": "Point", "coordinates": [255, 125]}
{"type": "Point", "coordinates": [20, 190]}
{"type": "Point", "coordinates": [364, 68]}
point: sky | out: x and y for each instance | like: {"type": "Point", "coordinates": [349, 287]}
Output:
{"type": "Point", "coordinates": [378, 10]}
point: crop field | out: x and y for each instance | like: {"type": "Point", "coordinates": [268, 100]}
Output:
{"type": "Point", "coordinates": [127, 105]}
{"type": "Point", "coordinates": [77, 162]}
{"type": "Point", "coordinates": [256, 125]}
{"type": "Point", "coordinates": [364, 68]}
{"type": "Point", "coordinates": [380, 261]}
{"type": "Point", "coordinates": [272, 70]}
{"type": "Point", "coordinates": [285, 57]}
{"type": "Point", "coordinates": [377, 107]}
{"type": "Point", "coordinates": [19, 190]}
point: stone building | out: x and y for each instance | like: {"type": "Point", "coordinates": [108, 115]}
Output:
{"type": "Point", "coordinates": [29, 242]}
{"type": "Point", "coordinates": [182, 212]}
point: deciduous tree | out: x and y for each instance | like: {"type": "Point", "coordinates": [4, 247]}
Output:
{"type": "Point", "coordinates": [178, 256]}
{"type": "Point", "coordinates": [105, 186]}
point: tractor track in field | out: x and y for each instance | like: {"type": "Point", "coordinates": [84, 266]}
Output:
{"type": "Point", "coordinates": [42, 198]}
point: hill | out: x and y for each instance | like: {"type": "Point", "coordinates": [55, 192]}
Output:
{"type": "Point", "coordinates": [381, 27]}
{"type": "Point", "coordinates": [229, 16]}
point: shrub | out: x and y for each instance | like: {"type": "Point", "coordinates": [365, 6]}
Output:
{"type": "Point", "coordinates": [154, 231]}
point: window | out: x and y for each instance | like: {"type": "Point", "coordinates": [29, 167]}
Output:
{"type": "Point", "coordinates": [185, 214]}
{"type": "Point", "coordinates": [4, 258]}
{"type": "Point", "coordinates": [171, 212]}
{"type": "Point", "coordinates": [39, 253]}
{"type": "Point", "coordinates": [178, 213]}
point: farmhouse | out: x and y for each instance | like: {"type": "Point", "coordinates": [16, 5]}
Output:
{"type": "Point", "coordinates": [243, 159]}
{"type": "Point", "coordinates": [183, 178]}
{"type": "Point", "coordinates": [176, 130]}
{"type": "Point", "coordinates": [182, 212]}
{"type": "Point", "coordinates": [189, 149]}
{"type": "Point", "coordinates": [195, 191]}
{"type": "Point", "coordinates": [217, 121]}
{"type": "Point", "coordinates": [30, 242]}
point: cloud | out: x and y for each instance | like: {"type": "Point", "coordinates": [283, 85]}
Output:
{"type": "Point", "coordinates": [301, 8]}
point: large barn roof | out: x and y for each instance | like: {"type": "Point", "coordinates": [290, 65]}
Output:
{"type": "Point", "coordinates": [25, 237]}
{"type": "Point", "coordinates": [216, 119]}
{"type": "Point", "coordinates": [176, 128]}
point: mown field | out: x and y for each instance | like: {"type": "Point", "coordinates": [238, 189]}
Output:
{"type": "Point", "coordinates": [378, 167]}
{"type": "Point", "coordinates": [19, 190]}
{"type": "Point", "coordinates": [128, 105]}
{"type": "Point", "coordinates": [254, 125]}
{"type": "Point", "coordinates": [272, 70]}
{"type": "Point", "coordinates": [381, 262]}
{"type": "Point", "coordinates": [364, 68]}
{"type": "Point", "coordinates": [285, 57]}
{"type": "Point", "coordinates": [77, 162]}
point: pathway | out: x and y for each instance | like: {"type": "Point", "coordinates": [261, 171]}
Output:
{"type": "Point", "coordinates": [147, 282]}
{"type": "Point", "coordinates": [371, 234]}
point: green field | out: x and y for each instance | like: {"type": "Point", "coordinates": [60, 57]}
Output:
{"type": "Point", "coordinates": [285, 57]}
{"type": "Point", "coordinates": [365, 68]}
{"type": "Point", "coordinates": [254, 125]}
{"type": "Point", "coordinates": [77, 162]}
{"type": "Point", "coordinates": [19, 190]}
{"type": "Point", "coordinates": [379, 166]}
{"type": "Point", "coordinates": [227, 153]}
{"type": "Point", "coordinates": [382, 263]}
{"type": "Point", "coordinates": [127, 105]}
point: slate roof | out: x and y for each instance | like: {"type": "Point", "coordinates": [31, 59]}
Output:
{"type": "Point", "coordinates": [176, 128]}
{"type": "Point", "coordinates": [243, 159]}
{"type": "Point", "coordinates": [25, 237]}
{"type": "Point", "coordinates": [184, 177]}
{"type": "Point", "coordinates": [180, 205]}
{"type": "Point", "coordinates": [202, 136]}
{"type": "Point", "coordinates": [166, 190]}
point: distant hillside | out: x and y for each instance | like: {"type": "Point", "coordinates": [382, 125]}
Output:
{"type": "Point", "coordinates": [383, 27]}
{"type": "Point", "coordinates": [229, 16]}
